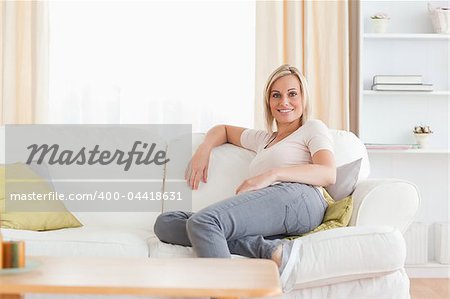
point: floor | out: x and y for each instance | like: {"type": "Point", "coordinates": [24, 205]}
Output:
{"type": "Point", "coordinates": [432, 288]}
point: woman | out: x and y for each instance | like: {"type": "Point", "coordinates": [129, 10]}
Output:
{"type": "Point", "coordinates": [280, 198]}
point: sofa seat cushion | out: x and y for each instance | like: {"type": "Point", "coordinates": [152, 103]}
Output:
{"type": "Point", "coordinates": [115, 220]}
{"type": "Point", "coordinates": [83, 241]}
{"type": "Point", "coordinates": [160, 249]}
{"type": "Point", "coordinates": [349, 253]}
{"type": "Point", "coordinates": [332, 256]}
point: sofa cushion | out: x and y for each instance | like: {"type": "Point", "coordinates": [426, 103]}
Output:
{"type": "Point", "coordinates": [160, 249]}
{"type": "Point", "coordinates": [83, 241]}
{"type": "Point", "coordinates": [349, 253]}
{"type": "Point", "coordinates": [337, 214]}
{"type": "Point", "coordinates": [348, 148]}
{"type": "Point", "coordinates": [346, 179]}
{"type": "Point", "coordinates": [331, 256]}
{"type": "Point", "coordinates": [39, 215]}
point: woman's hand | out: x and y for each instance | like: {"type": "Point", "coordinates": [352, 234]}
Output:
{"type": "Point", "coordinates": [257, 182]}
{"type": "Point", "coordinates": [198, 167]}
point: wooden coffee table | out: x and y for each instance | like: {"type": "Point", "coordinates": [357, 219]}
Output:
{"type": "Point", "coordinates": [188, 277]}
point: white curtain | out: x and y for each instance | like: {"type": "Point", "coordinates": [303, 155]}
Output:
{"type": "Point", "coordinates": [278, 41]}
{"type": "Point", "coordinates": [23, 62]}
{"type": "Point", "coordinates": [327, 61]}
{"type": "Point", "coordinates": [314, 36]}
{"type": "Point", "coordinates": [152, 62]}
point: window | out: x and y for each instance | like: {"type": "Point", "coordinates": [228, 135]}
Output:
{"type": "Point", "coordinates": [152, 62]}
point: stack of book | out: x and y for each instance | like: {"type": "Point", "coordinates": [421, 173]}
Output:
{"type": "Point", "coordinates": [400, 83]}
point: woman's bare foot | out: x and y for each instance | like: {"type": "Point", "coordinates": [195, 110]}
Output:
{"type": "Point", "coordinates": [277, 255]}
{"type": "Point", "coordinates": [287, 257]}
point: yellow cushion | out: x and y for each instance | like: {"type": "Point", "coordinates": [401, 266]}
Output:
{"type": "Point", "coordinates": [337, 214]}
{"type": "Point", "coordinates": [54, 215]}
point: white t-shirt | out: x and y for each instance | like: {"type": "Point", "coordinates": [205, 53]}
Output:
{"type": "Point", "coordinates": [296, 149]}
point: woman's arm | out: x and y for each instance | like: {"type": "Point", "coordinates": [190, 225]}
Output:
{"type": "Point", "coordinates": [221, 134]}
{"type": "Point", "coordinates": [321, 173]}
{"type": "Point", "coordinates": [198, 167]}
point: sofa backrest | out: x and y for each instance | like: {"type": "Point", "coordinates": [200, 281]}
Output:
{"type": "Point", "coordinates": [228, 167]}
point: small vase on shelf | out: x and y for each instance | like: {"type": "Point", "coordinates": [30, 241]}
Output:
{"type": "Point", "coordinates": [380, 22]}
{"type": "Point", "coordinates": [440, 17]}
{"type": "Point", "coordinates": [422, 133]}
{"type": "Point", "coordinates": [422, 139]}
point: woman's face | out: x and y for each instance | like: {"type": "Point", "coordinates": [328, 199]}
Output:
{"type": "Point", "coordinates": [285, 100]}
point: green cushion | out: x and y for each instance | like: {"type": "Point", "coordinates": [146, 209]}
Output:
{"type": "Point", "coordinates": [337, 214]}
{"type": "Point", "coordinates": [54, 215]}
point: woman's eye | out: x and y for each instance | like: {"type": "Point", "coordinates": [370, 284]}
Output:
{"type": "Point", "coordinates": [276, 95]}
{"type": "Point", "coordinates": [292, 94]}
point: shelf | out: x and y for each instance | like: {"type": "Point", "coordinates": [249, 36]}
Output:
{"type": "Point", "coordinates": [407, 36]}
{"type": "Point", "coordinates": [406, 93]}
{"type": "Point", "coordinates": [410, 151]}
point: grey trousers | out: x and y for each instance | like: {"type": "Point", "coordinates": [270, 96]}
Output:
{"type": "Point", "coordinates": [250, 224]}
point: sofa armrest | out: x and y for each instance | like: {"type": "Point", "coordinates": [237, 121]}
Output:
{"type": "Point", "coordinates": [390, 202]}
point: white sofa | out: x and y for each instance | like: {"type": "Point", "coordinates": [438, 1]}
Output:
{"type": "Point", "coordinates": [364, 260]}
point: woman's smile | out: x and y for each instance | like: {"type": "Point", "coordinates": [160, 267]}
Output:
{"type": "Point", "coordinates": [286, 100]}
{"type": "Point", "coordinates": [285, 110]}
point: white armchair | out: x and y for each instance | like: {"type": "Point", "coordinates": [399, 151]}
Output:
{"type": "Point", "coordinates": [364, 260]}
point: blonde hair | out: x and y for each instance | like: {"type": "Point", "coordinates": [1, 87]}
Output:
{"type": "Point", "coordinates": [285, 70]}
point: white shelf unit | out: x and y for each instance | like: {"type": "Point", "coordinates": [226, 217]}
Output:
{"type": "Point", "coordinates": [409, 47]}
{"type": "Point", "coordinates": [409, 152]}
{"type": "Point", "coordinates": [418, 36]}
{"type": "Point", "coordinates": [445, 93]}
